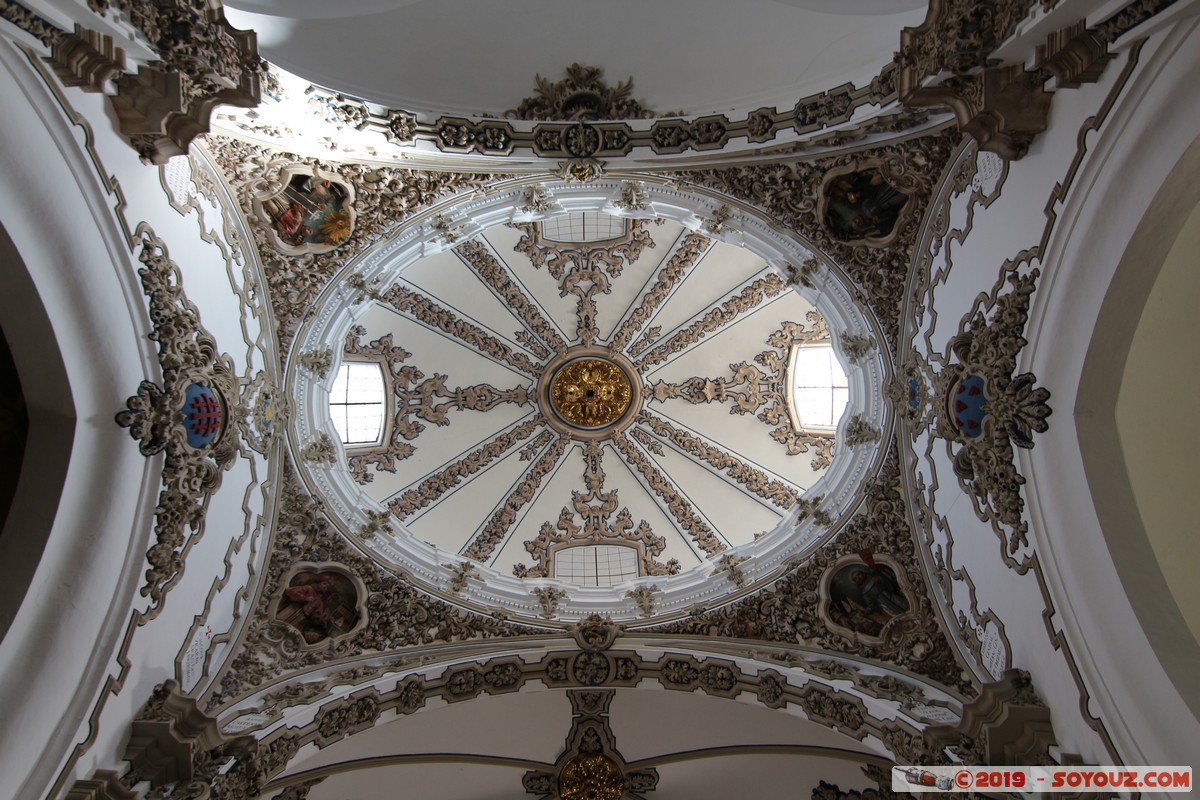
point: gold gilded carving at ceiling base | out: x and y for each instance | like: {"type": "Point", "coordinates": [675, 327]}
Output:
{"type": "Point", "coordinates": [591, 776]}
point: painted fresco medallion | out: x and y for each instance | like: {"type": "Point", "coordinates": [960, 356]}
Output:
{"type": "Point", "coordinates": [590, 393]}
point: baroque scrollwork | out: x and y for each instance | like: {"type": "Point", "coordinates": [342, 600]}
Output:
{"type": "Point", "coordinates": [590, 767]}
{"type": "Point", "coordinates": [677, 504]}
{"type": "Point", "coordinates": [984, 410]}
{"type": "Point", "coordinates": [750, 297]}
{"type": "Point", "coordinates": [201, 62]}
{"type": "Point", "coordinates": [505, 517]}
{"type": "Point", "coordinates": [789, 193]}
{"type": "Point", "coordinates": [415, 396]}
{"type": "Point", "coordinates": [397, 614]}
{"type": "Point", "coordinates": [191, 418]}
{"type": "Point", "coordinates": [584, 270]}
{"type": "Point", "coordinates": [752, 479]}
{"type": "Point", "coordinates": [689, 253]}
{"type": "Point", "coordinates": [446, 479]}
{"type": "Point", "coordinates": [581, 95]}
{"type": "Point", "coordinates": [761, 390]}
{"type": "Point", "coordinates": [384, 198]}
{"type": "Point", "coordinates": [788, 611]}
{"type": "Point", "coordinates": [595, 509]}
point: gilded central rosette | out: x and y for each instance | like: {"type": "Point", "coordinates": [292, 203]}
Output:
{"type": "Point", "coordinates": [591, 776]}
{"type": "Point", "coordinates": [590, 393]}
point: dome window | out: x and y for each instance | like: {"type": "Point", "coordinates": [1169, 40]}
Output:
{"type": "Point", "coordinates": [819, 388]}
{"type": "Point", "coordinates": [356, 403]}
{"type": "Point", "coordinates": [596, 565]}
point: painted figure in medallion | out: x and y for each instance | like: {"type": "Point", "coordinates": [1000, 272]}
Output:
{"type": "Point", "coordinates": [319, 605]}
{"type": "Point", "coordinates": [862, 205]}
{"type": "Point", "coordinates": [865, 597]}
{"type": "Point", "coordinates": [310, 210]}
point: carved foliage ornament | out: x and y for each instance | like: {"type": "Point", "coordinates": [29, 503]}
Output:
{"type": "Point", "coordinates": [790, 193]}
{"type": "Point", "coordinates": [763, 390]}
{"type": "Point", "coordinates": [410, 394]}
{"type": "Point", "coordinates": [590, 677]}
{"type": "Point", "coordinates": [859, 206]}
{"type": "Point", "coordinates": [948, 61]}
{"type": "Point", "coordinates": [580, 119]}
{"type": "Point", "coordinates": [595, 509]}
{"type": "Point", "coordinates": [590, 393]}
{"type": "Point", "coordinates": [582, 95]}
{"type": "Point", "coordinates": [414, 396]}
{"type": "Point", "coordinates": [384, 198]}
{"type": "Point", "coordinates": [203, 62]}
{"type": "Point", "coordinates": [788, 611]}
{"type": "Point", "coordinates": [984, 410]}
{"type": "Point", "coordinates": [306, 210]}
{"type": "Point", "coordinates": [590, 766]}
{"type": "Point", "coordinates": [397, 614]}
{"type": "Point", "coordinates": [187, 418]}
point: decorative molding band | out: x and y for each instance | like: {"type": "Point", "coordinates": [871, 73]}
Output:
{"type": "Point", "coordinates": [578, 133]}
{"type": "Point", "coordinates": [270, 649]}
{"type": "Point", "coordinates": [414, 395]}
{"type": "Point", "coordinates": [763, 392]}
{"type": "Point", "coordinates": [1007, 716]}
{"type": "Point", "coordinates": [505, 516]}
{"type": "Point", "coordinates": [433, 487]}
{"type": "Point", "coordinates": [689, 253]}
{"type": "Point", "coordinates": [595, 509]}
{"type": "Point", "coordinates": [384, 197]}
{"type": "Point", "coordinates": [791, 196]}
{"type": "Point", "coordinates": [898, 624]}
{"type": "Point", "coordinates": [590, 767]}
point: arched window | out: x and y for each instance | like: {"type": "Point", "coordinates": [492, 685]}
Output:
{"type": "Point", "coordinates": [819, 387]}
{"type": "Point", "coordinates": [596, 565]}
{"type": "Point", "coordinates": [356, 403]}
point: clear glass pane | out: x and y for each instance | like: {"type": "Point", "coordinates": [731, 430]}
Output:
{"type": "Point", "coordinates": [583, 226]}
{"type": "Point", "coordinates": [596, 565]}
{"type": "Point", "coordinates": [356, 403]}
{"type": "Point", "coordinates": [819, 387]}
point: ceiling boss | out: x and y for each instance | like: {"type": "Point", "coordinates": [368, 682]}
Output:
{"type": "Point", "coordinates": [590, 393]}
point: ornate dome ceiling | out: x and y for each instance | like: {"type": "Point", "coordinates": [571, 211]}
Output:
{"type": "Point", "coordinates": [592, 390]}
{"type": "Point", "coordinates": [487, 53]}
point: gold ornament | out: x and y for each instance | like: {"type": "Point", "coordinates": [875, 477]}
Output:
{"type": "Point", "coordinates": [590, 393]}
{"type": "Point", "coordinates": [591, 776]}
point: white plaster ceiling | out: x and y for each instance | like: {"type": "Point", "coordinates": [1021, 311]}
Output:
{"type": "Point", "coordinates": [494, 491]}
{"type": "Point", "coordinates": [479, 57]}
{"type": "Point", "coordinates": [454, 519]}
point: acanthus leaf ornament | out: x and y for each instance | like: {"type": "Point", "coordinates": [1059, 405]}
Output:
{"type": "Point", "coordinates": [187, 418]}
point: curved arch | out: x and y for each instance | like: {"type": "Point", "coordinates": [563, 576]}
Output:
{"type": "Point", "coordinates": [52, 421]}
{"type": "Point", "coordinates": [75, 296]}
{"type": "Point", "coordinates": [1105, 457]}
{"type": "Point", "coordinates": [878, 719]}
{"type": "Point", "coordinates": [1126, 209]}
